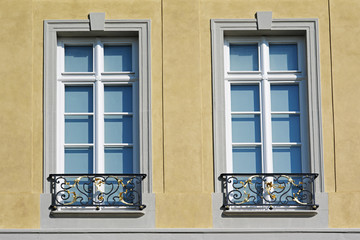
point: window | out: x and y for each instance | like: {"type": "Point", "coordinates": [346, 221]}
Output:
{"type": "Point", "coordinates": [98, 130]}
{"type": "Point", "coordinates": [267, 117]}
{"type": "Point", "coordinates": [265, 105]}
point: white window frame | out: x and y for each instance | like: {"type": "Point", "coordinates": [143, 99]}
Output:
{"type": "Point", "coordinates": [98, 79]}
{"type": "Point", "coordinates": [264, 78]}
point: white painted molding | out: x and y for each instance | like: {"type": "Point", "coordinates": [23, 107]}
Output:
{"type": "Point", "coordinates": [264, 20]}
{"type": "Point", "coordinates": [97, 21]}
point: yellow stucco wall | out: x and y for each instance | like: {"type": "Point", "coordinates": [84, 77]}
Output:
{"type": "Point", "coordinates": [20, 198]}
{"type": "Point", "coordinates": [181, 100]}
{"type": "Point", "coordinates": [345, 32]}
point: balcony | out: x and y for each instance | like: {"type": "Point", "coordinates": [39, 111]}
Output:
{"type": "Point", "coordinates": [86, 191]}
{"type": "Point", "coordinates": [268, 191]}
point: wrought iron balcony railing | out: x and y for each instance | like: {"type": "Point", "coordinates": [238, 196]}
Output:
{"type": "Point", "coordinates": [275, 190]}
{"type": "Point", "coordinates": [97, 190]}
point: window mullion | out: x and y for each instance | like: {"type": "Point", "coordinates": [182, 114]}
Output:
{"type": "Point", "coordinates": [99, 110]}
{"type": "Point", "coordinates": [266, 108]}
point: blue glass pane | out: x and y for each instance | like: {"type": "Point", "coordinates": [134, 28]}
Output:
{"type": "Point", "coordinates": [283, 57]}
{"type": "Point", "coordinates": [245, 128]}
{"type": "Point", "coordinates": [79, 160]}
{"type": "Point", "coordinates": [118, 129]}
{"type": "Point", "coordinates": [78, 58]}
{"type": "Point", "coordinates": [247, 160]}
{"type": "Point", "coordinates": [244, 98]}
{"type": "Point", "coordinates": [286, 128]}
{"type": "Point", "coordinates": [285, 98]}
{"type": "Point", "coordinates": [118, 160]}
{"type": "Point", "coordinates": [78, 129]}
{"type": "Point", "coordinates": [287, 160]}
{"type": "Point", "coordinates": [117, 58]}
{"type": "Point", "coordinates": [244, 57]}
{"type": "Point", "coordinates": [78, 99]}
{"type": "Point", "coordinates": [118, 98]}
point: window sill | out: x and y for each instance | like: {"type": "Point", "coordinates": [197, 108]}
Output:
{"type": "Point", "coordinates": [93, 213]}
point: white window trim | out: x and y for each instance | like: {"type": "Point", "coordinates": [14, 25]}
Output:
{"type": "Point", "coordinates": [308, 28]}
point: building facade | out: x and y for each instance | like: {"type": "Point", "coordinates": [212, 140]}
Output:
{"type": "Point", "coordinates": [172, 119]}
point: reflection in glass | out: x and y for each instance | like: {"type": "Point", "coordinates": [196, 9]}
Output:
{"type": "Point", "coordinates": [286, 128]}
{"type": "Point", "coordinates": [78, 99]}
{"type": "Point", "coordinates": [287, 159]}
{"type": "Point", "coordinates": [118, 160]}
{"type": "Point", "coordinates": [118, 129]}
{"type": "Point", "coordinates": [78, 58]}
{"type": "Point", "coordinates": [78, 129]}
{"type": "Point", "coordinates": [78, 160]}
{"type": "Point", "coordinates": [118, 98]}
{"type": "Point", "coordinates": [247, 160]}
{"type": "Point", "coordinates": [117, 58]}
{"type": "Point", "coordinates": [245, 98]}
{"type": "Point", "coordinates": [285, 97]}
{"type": "Point", "coordinates": [244, 57]}
{"type": "Point", "coordinates": [245, 128]}
{"type": "Point", "coordinates": [283, 57]}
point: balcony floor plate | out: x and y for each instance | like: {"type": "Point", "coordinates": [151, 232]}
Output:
{"type": "Point", "coordinates": [269, 213]}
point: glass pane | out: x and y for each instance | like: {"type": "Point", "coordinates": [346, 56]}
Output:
{"type": "Point", "coordinates": [247, 160]}
{"type": "Point", "coordinates": [117, 58]}
{"type": "Point", "coordinates": [286, 128]}
{"type": "Point", "coordinates": [244, 98]}
{"type": "Point", "coordinates": [79, 160]}
{"type": "Point", "coordinates": [285, 98]}
{"type": "Point", "coordinates": [283, 57]}
{"type": "Point", "coordinates": [78, 99]}
{"type": "Point", "coordinates": [118, 98]}
{"type": "Point", "coordinates": [245, 128]}
{"type": "Point", "coordinates": [78, 129]}
{"type": "Point", "coordinates": [78, 58]}
{"type": "Point", "coordinates": [118, 129]}
{"type": "Point", "coordinates": [118, 160]}
{"type": "Point", "coordinates": [287, 159]}
{"type": "Point", "coordinates": [244, 57]}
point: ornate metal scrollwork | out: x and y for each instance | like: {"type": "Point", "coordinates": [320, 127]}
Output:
{"type": "Point", "coordinates": [275, 190]}
{"type": "Point", "coordinates": [96, 190]}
